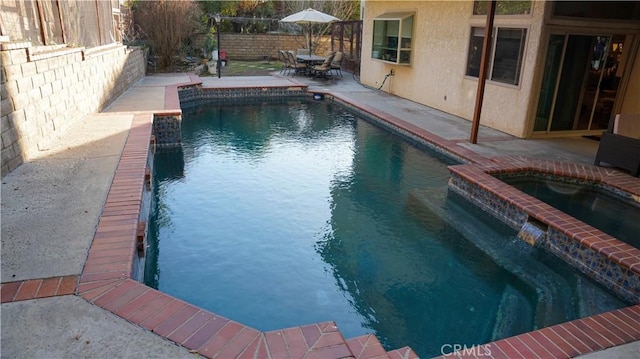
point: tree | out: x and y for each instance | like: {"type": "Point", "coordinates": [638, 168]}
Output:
{"type": "Point", "coordinates": [511, 7]}
{"type": "Point", "coordinates": [243, 16]}
{"type": "Point", "coordinates": [344, 10]}
{"type": "Point", "coordinates": [246, 16]}
{"type": "Point", "coordinates": [166, 25]}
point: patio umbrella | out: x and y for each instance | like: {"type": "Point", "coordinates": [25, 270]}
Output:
{"type": "Point", "coordinates": [310, 16]}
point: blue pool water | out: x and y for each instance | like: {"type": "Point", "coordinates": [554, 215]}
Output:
{"type": "Point", "coordinates": [279, 215]}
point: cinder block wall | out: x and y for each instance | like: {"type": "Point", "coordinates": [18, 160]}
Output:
{"type": "Point", "coordinates": [256, 46]}
{"type": "Point", "coordinates": [45, 90]}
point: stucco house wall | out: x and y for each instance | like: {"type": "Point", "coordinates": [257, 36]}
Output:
{"type": "Point", "coordinates": [436, 76]}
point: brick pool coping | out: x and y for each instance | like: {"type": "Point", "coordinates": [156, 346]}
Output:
{"type": "Point", "coordinates": [106, 281]}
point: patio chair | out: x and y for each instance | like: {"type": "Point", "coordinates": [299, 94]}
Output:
{"type": "Point", "coordinates": [620, 144]}
{"type": "Point", "coordinates": [336, 64]}
{"type": "Point", "coordinates": [286, 67]}
{"type": "Point", "coordinates": [324, 68]}
{"type": "Point", "coordinates": [294, 65]}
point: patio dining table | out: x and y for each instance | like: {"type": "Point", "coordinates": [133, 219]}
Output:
{"type": "Point", "coordinates": [310, 60]}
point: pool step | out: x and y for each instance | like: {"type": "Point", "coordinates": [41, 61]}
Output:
{"type": "Point", "coordinates": [499, 243]}
{"type": "Point", "coordinates": [592, 298]}
{"type": "Point", "coordinates": [368, 347]}
{"type": "Point", "coordinates": [512, 315]}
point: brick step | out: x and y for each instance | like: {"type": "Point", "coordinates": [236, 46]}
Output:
{"type": "Point", "coordinates": [403, 353]}
{"type": "Point", "coordinates": [368, 347]}
{"type": "Point", "coordinates": [325, 341]}
{"type": "Point", "coordinates": [315, 341]}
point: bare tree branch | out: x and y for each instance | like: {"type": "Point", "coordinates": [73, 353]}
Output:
{"type": "Point", "coordinates": [167, 23]}
{"type": "Point", "coordinates": [344, 10]}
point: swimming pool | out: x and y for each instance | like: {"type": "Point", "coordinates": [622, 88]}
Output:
{"type": "Point", "coordinates": [278, 215]}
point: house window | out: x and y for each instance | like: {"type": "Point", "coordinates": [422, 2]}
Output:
{"type": "Point", "coordinates": [503, 7]}
{"type": "Point", "coordinates": [392, 33]}
{"type": "Point", "coordinates": [507, 52]}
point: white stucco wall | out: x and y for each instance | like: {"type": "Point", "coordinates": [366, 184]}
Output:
{"type": "Point", "coordinates": [436, 76]}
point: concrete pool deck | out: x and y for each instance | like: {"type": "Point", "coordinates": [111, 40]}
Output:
{"type": "Point", "coordinates": [60, 198]}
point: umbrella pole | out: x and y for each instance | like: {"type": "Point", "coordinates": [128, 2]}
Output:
{"type": "Point", "coordinates": [310, 35]}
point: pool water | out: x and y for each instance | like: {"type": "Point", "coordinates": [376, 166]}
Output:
{"type": "Point", "coordinates": [612, 215]}
{"type": "Point", "coordinates": [280, 215]}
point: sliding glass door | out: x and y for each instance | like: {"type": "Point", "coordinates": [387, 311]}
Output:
{"type": "Point", "coordinates": [580, 82]}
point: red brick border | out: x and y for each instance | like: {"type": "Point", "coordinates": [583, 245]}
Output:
{"type": "Point", "coordinates": [38, 288]}
{"type": "Point", "coordinates": [566, 340]}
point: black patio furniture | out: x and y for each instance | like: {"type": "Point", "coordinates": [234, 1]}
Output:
{"type": "Point", "coordinates": [620, 144]}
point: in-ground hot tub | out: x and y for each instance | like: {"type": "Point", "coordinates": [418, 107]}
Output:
{"type": "Point", "coordinates": [603, 257]}
{"type": "Point", "coordinates": [613, 212]}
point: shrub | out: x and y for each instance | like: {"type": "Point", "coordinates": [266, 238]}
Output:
{"type": "Point", "coordinates": [166, 24]}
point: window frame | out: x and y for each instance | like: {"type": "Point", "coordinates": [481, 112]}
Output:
{"type": "Point", "coordinates": [517, 79]}
{"type": "Point", "coordinates": [398, 51]}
